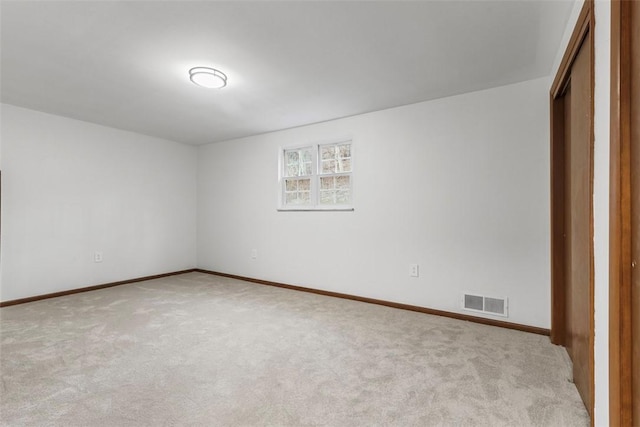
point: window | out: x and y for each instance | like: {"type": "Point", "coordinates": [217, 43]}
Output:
{"type": "Point", "coordinates": [317, 177]}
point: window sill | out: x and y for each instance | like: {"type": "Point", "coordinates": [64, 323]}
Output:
{"type": "Point", "coordinates": [316, 209]}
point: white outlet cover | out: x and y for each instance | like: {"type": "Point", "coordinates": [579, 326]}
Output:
{"type": "Point", "coordinates": [414, 270]}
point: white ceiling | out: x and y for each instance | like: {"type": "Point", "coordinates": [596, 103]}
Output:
{"type": "Point", "coordinates": [125, 63]}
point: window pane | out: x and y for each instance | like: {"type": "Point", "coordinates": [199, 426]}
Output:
{"type": "Point", "coordinates": [291, 198]}
{"type": "Point", "coordinates": [327, 197]}
{"type": "Point", "coordinates": [298, 191]}
{"type": "Point", "coordinates": [345, 165]}
{"type": "Point", "coordinates": [343, 182]}
{"type": "Point", "coordinates": [335, 158]}
{"type": "Point", "coordinates": [328, 166]}
{"type": "Point", "coordinates": [292, 157]}
{"type": "Point", "coordinates": [344, 150]}
{"type": "Point", "coordinates": [327, 183]}
{"type": "Point", "coordinates": [297, 198]}
{"type": "Point", "coordinates": [304, 184]}
{"type": "Point", "coordinates": [291, 184]}
{"type": "Point", "coordinates": [307, 169]}
{"type": "Point", "coordinates": [343, 197]}
{"type": "Point", "coordinates": [298, 162]}
{"type": "Point", "coordinates": [327, 152]}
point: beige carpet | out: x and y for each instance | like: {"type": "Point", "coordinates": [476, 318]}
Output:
{"type": "Point", "coordinates": [202, 350]}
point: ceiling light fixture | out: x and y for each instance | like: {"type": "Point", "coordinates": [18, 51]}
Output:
{"type": "Point", "coordinates": [208, 77]}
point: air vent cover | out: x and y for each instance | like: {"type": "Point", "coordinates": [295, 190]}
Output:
{"type": "Point", "coordinates": [484, 304]}
{"type": "Point", "coordinates": [473, 302]}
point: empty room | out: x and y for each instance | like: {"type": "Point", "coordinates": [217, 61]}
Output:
{"type": "Point", "coordinates": [304, 213]}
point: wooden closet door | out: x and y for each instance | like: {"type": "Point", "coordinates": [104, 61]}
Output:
{"type": "Point", "coordinates": [572, 316]}
{"type": "Point", "coordinates": [579, 220]}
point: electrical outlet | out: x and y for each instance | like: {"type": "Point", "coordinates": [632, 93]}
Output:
{"type": "Point", "coordinates": [97, 257]}
{"type": "Point", "coordinates": [254, 253]}
{"type": "Point", "coordinates": [414, 270]}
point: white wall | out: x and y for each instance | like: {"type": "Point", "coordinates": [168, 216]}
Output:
{"type": "Point", "coordinates": [71, 188]}
{"type": "Point", "coordinates": [458, 185]}
{"type": "Point", "coordinates": [601, 208]}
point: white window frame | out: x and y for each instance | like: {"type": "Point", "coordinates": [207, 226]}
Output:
{"type": "Point", "coordinates": [315, 178]}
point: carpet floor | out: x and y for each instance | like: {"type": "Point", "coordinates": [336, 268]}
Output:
{"type": "Point", "coordinates": [203, 350]}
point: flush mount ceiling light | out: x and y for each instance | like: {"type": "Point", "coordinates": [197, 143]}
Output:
{"type": "Point", "coordinates": [208, 77]}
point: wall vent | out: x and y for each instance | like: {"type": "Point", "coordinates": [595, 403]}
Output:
{"type": "Point", "coordinates": [484, 304]}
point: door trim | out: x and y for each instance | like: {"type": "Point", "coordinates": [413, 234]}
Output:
{"type": "Point", "coordinates": [620, 273]}
{"type": "Point", "coordinates": [584, 26]}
